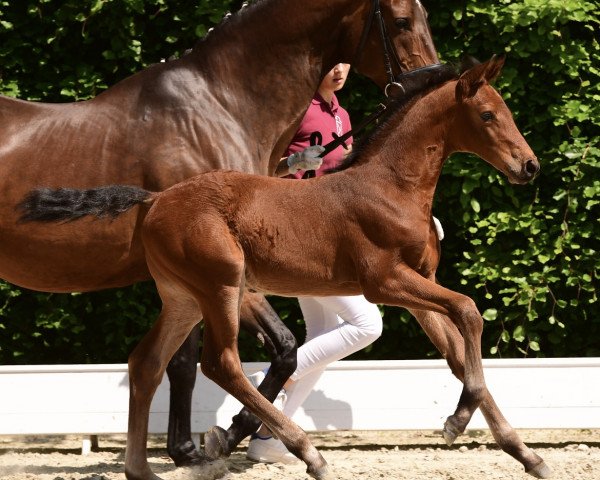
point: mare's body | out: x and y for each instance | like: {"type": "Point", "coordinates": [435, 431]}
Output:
{"type": "Point", "coordinates": [377, 237]}
{"type": "Point", "coordinates": [234, 102]}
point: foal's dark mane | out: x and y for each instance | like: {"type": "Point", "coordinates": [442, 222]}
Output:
{"type": "Point", "coordinates": [414, 88]}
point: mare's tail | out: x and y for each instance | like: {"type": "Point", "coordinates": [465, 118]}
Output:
{"type": "Point", "coordinates": [68, 204]}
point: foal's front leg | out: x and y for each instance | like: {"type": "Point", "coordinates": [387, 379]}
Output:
{"type": "Point", "coordinates": [407, 288]}
{"type": "Point", "coordinates": [448, 340]}
{"type": "Point", "coordinates": [258, 318]}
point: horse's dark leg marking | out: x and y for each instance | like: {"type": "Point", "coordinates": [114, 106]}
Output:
{"type": "Point", "coordinates": [182, 377]}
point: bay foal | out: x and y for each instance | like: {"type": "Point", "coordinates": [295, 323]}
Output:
{"type": "Point", "coordinates": [365, 229]}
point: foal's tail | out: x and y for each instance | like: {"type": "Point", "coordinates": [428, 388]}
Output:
{"type": "Point", "coordinates": [68, 204]}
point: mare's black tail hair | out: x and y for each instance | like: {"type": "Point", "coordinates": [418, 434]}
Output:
{"type": "Point", "coordinates": [69, 204]}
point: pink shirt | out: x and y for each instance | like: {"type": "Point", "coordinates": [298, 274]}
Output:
{"type": "Point", "coordinates": [319, 124]}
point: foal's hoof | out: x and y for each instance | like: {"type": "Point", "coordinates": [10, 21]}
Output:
{"type": "Point", "coordinates": [450, 432]}
{"type": "Point", "coordinates": [187, 456]}
{"type": "Point", "coordinates": [541, 470]}
{"type": "Point", "coordinates": [321, 473]}
{"type": "Point", "coordinates": [215, 443]}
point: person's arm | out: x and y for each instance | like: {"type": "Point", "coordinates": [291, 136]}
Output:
{"type": "Point", "coordinates": [307, 159]}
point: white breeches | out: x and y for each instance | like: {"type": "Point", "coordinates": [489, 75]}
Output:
{"type": "Point", "coordinates": [335, 328]}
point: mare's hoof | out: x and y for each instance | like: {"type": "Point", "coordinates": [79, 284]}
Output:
{"type": "Point", "coordinates": [541, 470]}
{"type": "Point", "coordinates": [321, 473]}
{"type": "Point", "coordinates": [450, 432]}
{"type": "Point", "coordinates": [215, 443]}
{"type": "Point", "coordinates": [187, 456]}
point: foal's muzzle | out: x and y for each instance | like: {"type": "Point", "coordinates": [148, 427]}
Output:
{"type": "Point", "coordinates": [527, 171]}
{"type": "Point", "coordinates": [530, 169]}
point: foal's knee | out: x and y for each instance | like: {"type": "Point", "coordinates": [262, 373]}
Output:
{"type": "Point", "coordinates": [223, 369]}
{"type": "Point", "coordinates": [467, 316]}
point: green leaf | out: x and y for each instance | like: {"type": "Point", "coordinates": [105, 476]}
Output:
{"type": "Point", "coordinates": [519, 333]}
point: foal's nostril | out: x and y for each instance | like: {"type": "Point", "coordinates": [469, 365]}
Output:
{"type": "Point", "coordinates": [532, 167]}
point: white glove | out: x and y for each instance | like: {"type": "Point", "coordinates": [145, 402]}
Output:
{"type": "Point", "coordinates": [307, 159]}
{"type": "Point", "coordinates": [438, 227]}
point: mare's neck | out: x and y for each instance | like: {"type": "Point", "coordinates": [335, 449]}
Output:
{"type": "Point", "coordinates": [276, 68]}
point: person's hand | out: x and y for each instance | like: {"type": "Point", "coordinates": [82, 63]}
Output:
{"type": "Point", "coordinates": [307, 159]}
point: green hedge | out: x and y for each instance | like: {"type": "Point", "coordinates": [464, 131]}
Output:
{"type": "Point", "coordinates": [527, 255]}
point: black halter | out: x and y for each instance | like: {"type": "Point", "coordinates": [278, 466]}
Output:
{"type": "Point", "coordinates": [395, 82]}
{"type": "Point", "coordinates": [388, 46]}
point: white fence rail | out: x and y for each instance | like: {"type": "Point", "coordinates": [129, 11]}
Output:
{"type": "Point", "coordinates": [359, 395]}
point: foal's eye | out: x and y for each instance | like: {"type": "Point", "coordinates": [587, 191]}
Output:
{"type": "Point", "coordinates": [487, 116]}
{"type": "Point", "coordinates": [402, 23]}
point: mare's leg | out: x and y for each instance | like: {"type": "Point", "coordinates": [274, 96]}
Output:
{"type": "Point", "coordinates": [182, 377]}
{"type": "Point", "coordinates": [147, 364]}
{"type": "Point", "coordinates": [258, 318]}
{"type": "Point", "coordinates": [221, 363]}
{"type": "Point", "coordinates": [448, 340]}
{"type": "Point", "coordinates": [405, 287]}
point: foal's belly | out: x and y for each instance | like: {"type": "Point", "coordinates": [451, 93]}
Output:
{"type": "Point", "coordinates": [299, 279]}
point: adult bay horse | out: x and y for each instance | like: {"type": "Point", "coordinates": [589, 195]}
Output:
{"type": "Point", "coordinates": [375, 235]}
{"type": "Point", "coordinates": [243, 89]}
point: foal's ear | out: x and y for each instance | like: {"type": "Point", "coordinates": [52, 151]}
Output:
{"type": "Point", "coordinates": [494, 68]}
{"type": "Point", "coordinates": [472, 80]}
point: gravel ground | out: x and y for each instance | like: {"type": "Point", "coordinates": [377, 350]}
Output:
{"type": "Point", "coordinates": [352, 455]}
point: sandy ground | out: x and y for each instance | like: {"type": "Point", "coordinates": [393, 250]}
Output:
{"type": "Point", "coordinates": [572, 454]}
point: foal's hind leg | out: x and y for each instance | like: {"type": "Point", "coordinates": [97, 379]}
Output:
{"type": "Point", "coordinates": [221, 363]}
{"type": "Point", "coordinates": [147, 364]}
{"type": "Point", "coordinates": [182, 377]}
{"type": "Point", "coordinates": [258, 318]}
{"type": "Point", "coordinates": [450, 343]}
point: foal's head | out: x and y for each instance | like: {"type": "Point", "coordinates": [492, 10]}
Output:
{"type": "Point", "coordinates": [484, 125]}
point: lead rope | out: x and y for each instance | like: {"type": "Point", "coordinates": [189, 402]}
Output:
{"type": "Point", "coordinates": [341, 140]}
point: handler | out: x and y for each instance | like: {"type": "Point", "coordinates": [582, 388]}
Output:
{"type": "Point", "coordinates": [335, 326]}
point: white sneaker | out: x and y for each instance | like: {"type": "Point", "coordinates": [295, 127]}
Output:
{"type": "Point", "coordinates": [269, 450]}
{"type": "Point", "coordinates": [257, 378]}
